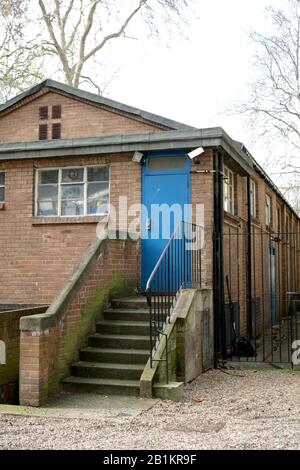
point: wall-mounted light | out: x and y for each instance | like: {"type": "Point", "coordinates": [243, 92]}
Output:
{"type": "Point", "coordinates": [195, 153]}
{"type": "Point", "coordinates": [137, 157]}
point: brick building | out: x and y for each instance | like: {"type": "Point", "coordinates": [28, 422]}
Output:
{"type": "Point", "coordinates": [66, 157]}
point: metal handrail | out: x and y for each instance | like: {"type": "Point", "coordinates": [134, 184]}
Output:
{"type": "Point", "coordinates": [161, 257]}
{"type": "Point", "coordinates": [176, 268]}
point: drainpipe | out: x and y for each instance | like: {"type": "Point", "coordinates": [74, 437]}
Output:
{"type": "Point", "coordinates": [249, 262]}
{"type": "Point", "coordinates": [218, 259]}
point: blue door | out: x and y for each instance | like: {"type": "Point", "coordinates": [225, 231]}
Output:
{"type": "Point", "coordinates": [273, 306]}
{"type": "Point", "coordinates": [165, 199]}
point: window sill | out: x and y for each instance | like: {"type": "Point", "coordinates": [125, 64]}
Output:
{"type": "Point", "coordinates": [2, 206]}
{"type": "Point", "coordinates": [232, 216]}
{"type": "Point", "coordinates": [255, 220]}
{"type": "Point", "coordinates": [69, 220]}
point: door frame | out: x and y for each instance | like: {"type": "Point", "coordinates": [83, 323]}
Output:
{"type": "Point", "coordinates": [178, 171]}
{"type": "Point", "coordinates": [273, 284]}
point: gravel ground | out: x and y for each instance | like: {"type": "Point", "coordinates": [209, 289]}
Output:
{"type": "Point", "coordinates": [231, 410]}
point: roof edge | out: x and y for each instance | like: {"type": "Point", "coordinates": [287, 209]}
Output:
{"type": "Point", "coordinates": [267, 178]}
{"type": "Point", "coordinates": [165, 140]}
{"type": "Point", "coordinates": [96, 99]}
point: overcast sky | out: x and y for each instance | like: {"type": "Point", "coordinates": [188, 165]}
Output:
{"type": "Point", "coordinates": [197, 77]}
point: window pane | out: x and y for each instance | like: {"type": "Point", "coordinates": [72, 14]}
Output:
{"type": "Point", "coordinates": [2, 179]}
{"type": "Point", "coordinates": [47, 208]}
{"type": "Point", "coordinates": [98, 196]}
{"type": "Point", "coordinates": [72, 191]}
{"type": "Point", "coordinates": [71, 175]}
{"type": "Point", "coordinates": [48, 176]}
{"type": "Point", "coordinates": [166, 163]}
{"type": "Point", "coordinates": [47, 192]}
{"type": "Point", "coordinates": [97, 190]}
{"type": "Point", "coordinates": [1, 194]}
{"type": "Point", "coordinates": [72, 208]}
{"type": "Point", "coordinates": [100, 173]}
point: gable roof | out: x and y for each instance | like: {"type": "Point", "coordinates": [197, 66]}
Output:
{"type": "Point", "coordinates": [96, 99]}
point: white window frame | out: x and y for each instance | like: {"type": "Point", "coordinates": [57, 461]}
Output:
{"type": "Point", "coordinates": [59, 183]}
{"type": "Point", "coordinates": [229, 187]}
{"type": "Point", "coordinates": [268, 210]}
{"type": "Point", "coordinates": [253, 209]}
{"type": "Point", "coordinates": [3, 186]}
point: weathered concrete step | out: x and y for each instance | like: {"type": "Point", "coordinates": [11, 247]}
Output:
{"type": "Point", "coordinates": [121, 356]}
{"type": "Point", "coordinates": [114, 355]}
{"type": "Point", "coordinates": [102, 386]}
{"type": "Point", "coordinates": [107, 370]}
{"type": "Point", "coordinates": [119, 341]}
{"type": "Point", "coordinates": [130, 302]}
{"type": "Point", "coordinates": [118, 327]}
{"type": "Point", "coordinates": [124, 314]}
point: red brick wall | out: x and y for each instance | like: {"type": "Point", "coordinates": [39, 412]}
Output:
{"type": "Point", "coordinates": [10, 334]}
{"type": "Point", "coordinates": [79, 119]}
{"type": "Point", "coordinates": [36, 257]}
{"type": "Point", "coordinates": [45, 355]}
{"type": "Point", "coordinates": [203, 193]}
{"type": "Point", "coordinates": [261, 237]}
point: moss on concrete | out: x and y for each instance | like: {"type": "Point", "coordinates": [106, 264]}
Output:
{"type": "Point", "coordinates": [161, 373]}
{"type": "Point", "coordinates": [75, 339]}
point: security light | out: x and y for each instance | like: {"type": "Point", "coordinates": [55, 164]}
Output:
{"type": "Point", "coordinates": [137, 157]}
{"type": "Point", "coordinates": [195, 153]}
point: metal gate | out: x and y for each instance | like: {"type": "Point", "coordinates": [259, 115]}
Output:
{"type": "Point", "coordinates": [261, 305]}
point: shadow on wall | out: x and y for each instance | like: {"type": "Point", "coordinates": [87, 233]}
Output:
{"type": "Point", "coordinates": [10, 349]}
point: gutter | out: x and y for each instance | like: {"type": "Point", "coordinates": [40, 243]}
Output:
{"type": "Point", "coordinates": [249, 262]}
{"type": "Point", "coordinates": [218, 261]}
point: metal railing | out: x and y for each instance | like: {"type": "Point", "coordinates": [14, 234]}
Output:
{"type": "Point", "coordinates": [179, 266]}
{"type": "Point", "coordinates": [261, 295]}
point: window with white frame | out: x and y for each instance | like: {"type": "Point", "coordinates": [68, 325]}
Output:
{"type": "Point", "coordinates": [77, 191]}
{"type": "Point", "coordinates": [2, 186]}
{"type": "Point", "coordinates": [268, 210]}
{"type": "Point", "coordinates": [253, 198]}
{"type": "Point", "coordinates": [228, 190]}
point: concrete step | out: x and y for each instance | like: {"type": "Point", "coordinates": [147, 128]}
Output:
{"type": "Point", "coordinates": [120, 356]}
{"type": "Point", "coordinates": [130, 302]}
{"type": "Point", "coordinates": [102, 386]}
{"type": "Point", "coordinates": [117, 327]}
{"type": "Point", "coordinates": [107, 370]}
{"type": "Point", "coordinates": [119, 341]}
{"type": "Point", "coordinates": [124, 314]}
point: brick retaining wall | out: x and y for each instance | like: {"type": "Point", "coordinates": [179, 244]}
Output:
{"type": "Point", "coordinates": [51, 342]}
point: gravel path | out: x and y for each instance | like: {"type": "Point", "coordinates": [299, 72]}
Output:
{"type": "Point", "coordinates": [257, 410]}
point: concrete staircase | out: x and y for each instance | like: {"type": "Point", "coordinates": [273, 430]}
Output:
{"type": "Point", "coordinates": [117, 353]}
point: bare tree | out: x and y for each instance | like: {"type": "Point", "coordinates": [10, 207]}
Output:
{"type": "Point", "coordinates": [79, 30]}
{"type": "Point", "coordinates": [20, 57]}
{"type": "Point", "coordinates": [276, 94]}
{"type": "Point", "coordinates": [273, 107]}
